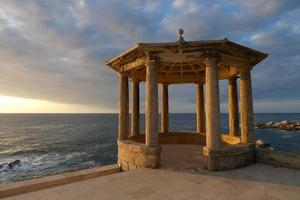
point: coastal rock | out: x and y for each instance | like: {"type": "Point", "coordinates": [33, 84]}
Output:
{"type": "Point", "coordinates": [282, 125]}
{"type": "Point", "coordinates": [13, 164]}
{"type": "Point", "coordinates": [270, 123]}
{"type": "Point", "coordinates": [262, 144]}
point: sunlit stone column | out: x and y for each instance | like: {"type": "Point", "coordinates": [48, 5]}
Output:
{"type": "Point", "coordinates": [124, 108]}
{"type": "Point", "coordinates": [135, 106]}
{"type": "Point", "coordinates": [200, 109]}
{"type": "Point", "coordinates": [151, 127]}
{"type": "Point", "coordinates": [233, 108]}
{"type": "Point", "coordinates": [212, 103]}
{"type": "Point", "coordinates": [246, 106]}
{"type": "Point", "coordinates": [164, 108]}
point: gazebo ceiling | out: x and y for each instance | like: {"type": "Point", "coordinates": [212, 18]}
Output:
{"type": "Point", "coordinates": [183, 62]}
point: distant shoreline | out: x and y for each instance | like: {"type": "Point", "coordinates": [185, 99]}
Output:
{"type": "Point", "coordinates": [285, 125]}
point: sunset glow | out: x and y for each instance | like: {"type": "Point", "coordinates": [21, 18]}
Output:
{"type": "Point", "coordinates": [10, 104]}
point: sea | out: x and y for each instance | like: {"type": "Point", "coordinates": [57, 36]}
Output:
{"type": "Point", "coordinates": [48, 144]}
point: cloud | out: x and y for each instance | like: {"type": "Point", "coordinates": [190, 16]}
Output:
{"type": "Point", "coordinates": [55, 50]}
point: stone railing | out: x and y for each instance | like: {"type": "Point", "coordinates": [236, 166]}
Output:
{"type": "Point", "coordinates": [12, 189]}
{"type": "Point", "coordinates": [186, 138]}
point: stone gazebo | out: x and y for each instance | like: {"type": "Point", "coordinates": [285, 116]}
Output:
{"type": "Point", "coordinates": [202, 63]}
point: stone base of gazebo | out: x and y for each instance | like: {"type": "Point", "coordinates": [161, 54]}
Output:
{"type": "Point", "coordinates": [229, 157]}
{"type": "Point", "coordinates": [134, 154]}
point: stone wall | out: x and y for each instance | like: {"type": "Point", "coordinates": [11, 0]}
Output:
{"type": "Point", "coordinates": [182, 138]}
{"type": "Point", "coordinates": [186, 138]}
{"type": "Point", "coordinates": [229, 157]}
{"type": "Point", "coordinates": [7, 190]}
{"type": "Point", "coordinates": [175, 138]}
{"type": "Point", "coordinates": [278, 158]}
{"type": "Point", "coordinates": [230, 139]}
{"type": "Point", "coordinates": [134, 155]}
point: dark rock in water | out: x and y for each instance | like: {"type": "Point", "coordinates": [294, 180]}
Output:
{"type": "Point", "coordinates": [14, 163]}
{"type": "Point", "coordinates": [271, 148]}
{"type": "Point", "coordinates": [262, 144]}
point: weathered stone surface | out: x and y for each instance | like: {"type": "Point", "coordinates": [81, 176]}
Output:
{"type": "Point", "coordinates": [251, 183]}
{"type": "Point", "coordinates": [282, 125]}
{"type": "Point", "coordinates": [182, 138]}
{"type": "Point", "coordinates": [186, 138]}
{"type": "Point", "coordinates": [229, 157]}
{"type": "Point", "coordinates": [135, 108]}
{"type": "Point", "coordinates": [200, 109]}
{"type": "Point", "coordinates": [151, 114]}
{"type": "Point", "coordinates": [278, 158]}
{"type": "Point", "coordinates": [175, 138]}
{"type": "Point", "coordinates": [212, 106]}
{"type": "Point", "coordinates": [123, 108]}
{"type": "Point", "coordinates": [182, 157]}
{"type": "Point", "coordinates": [246, 107]}
{"type": "Point", "coordinates": [21, 187]}
{"type": "Point", "coordinates": [133, 155]}
{"type": "Point", "coordinates": [229, 139]}
{"type": "Point", "coordinates": [233, 107]}
{"type": "Point", "coordinates": [260, 143]}
{"type": "Point", "coordinates": [164, 108]}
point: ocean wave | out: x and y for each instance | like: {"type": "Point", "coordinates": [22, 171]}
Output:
{"type": "Point", "coordinates": [288, 135]}
{"type": "Point", "coordinates": [43, 162]}
{"type": "Point", "coordinates": [24, 166]}
{"type": "Point", "coordinates": [37, 149]}
{"type": "Point", "coordinates": [22, 151]}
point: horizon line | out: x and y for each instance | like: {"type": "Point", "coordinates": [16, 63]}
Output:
{"type": "Point", "coordinates": [140, 113]}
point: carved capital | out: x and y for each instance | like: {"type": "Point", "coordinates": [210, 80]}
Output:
{"type": "Point", "coordinates": [123, 74]}
{"type": "Point", "coordinates": [200, 82]}
{"type": "Point", "coordinates": [233, 78]}
{"type": "Point", "coordinates": [151, 57]}
{"type": "Point", "coordinates": [245, 69]}
{"type": "Point", "coordinates": [135, 80]}
{"type": "Point", "coordinates": [211, 57]}
{"type": "Point", "coordinates": [150, 62]}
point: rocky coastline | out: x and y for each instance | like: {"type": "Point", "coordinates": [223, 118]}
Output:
{"type": "Point", "coordinates": [281, 125]}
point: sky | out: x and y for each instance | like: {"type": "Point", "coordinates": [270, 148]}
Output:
{"type": "Point", "coordinates": [53, 53]}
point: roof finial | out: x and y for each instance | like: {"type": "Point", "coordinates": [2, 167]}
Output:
{"type": "Point", "coordinates": [179, 35]}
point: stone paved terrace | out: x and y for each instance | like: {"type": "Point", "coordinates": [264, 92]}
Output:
{"type": "Point", "coordinates": [254, 182]}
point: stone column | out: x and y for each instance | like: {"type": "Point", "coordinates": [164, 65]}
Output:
{"type": "Point", "coordinates": [200, 109]}
{"type": "Point", "coordinates": [151, 127]}
{"type": "Point", "coordinates": [164, 108]}
{"type": "Point", "coordinates": [213, 136]}
{"type": "Point", "coordinates": [233, 108]}
{"type": "Point", "coordinates": [246, 106]}
{"type": "Point", "coordinates": [123, 108]}
{"type": "Point", "coordinates": [135, 106]}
